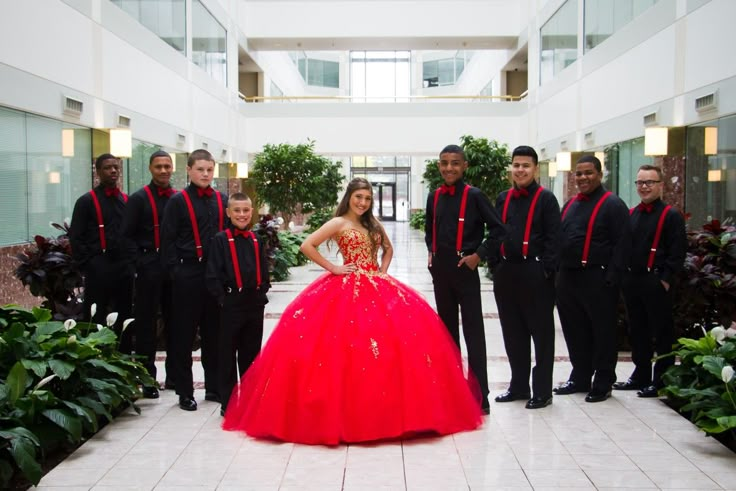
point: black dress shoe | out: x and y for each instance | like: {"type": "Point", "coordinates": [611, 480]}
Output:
{"type": "Point", "coordinates": [538, 402]}
{"type": "Point", "coordinates": [509, 396]}
{"type": "Point", "coordinates": [150, 392]}
{"type": "Point", "coordinates": [629, 385]}
{"type": "Point", "coordinates": [187, 403]}
{"type": "Point", "coordinates": [569, 387]}
{"type": "Point", "coordinates": [222, 411]}
{"type": "Point", "coordinates": [649, 391]}
{"type": "Point", "coordinates": [485, 406]}
{"type": "Point", "coordinates": [597, 395]}
{"type": "Point", "coordinates": [212, 396]}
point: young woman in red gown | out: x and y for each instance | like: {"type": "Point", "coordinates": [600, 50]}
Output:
{"type": "Point", "coordinates": [357, 356]}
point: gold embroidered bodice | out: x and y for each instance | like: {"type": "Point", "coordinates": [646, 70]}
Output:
{"type": "Point", "coordinates": [355, 247]}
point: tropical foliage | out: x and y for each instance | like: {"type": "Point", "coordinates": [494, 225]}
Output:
{"type": "Point", "coordinates": [60, 381]}
{"type": "Point", "coordinates": [705, 295]}
{"type": "Point", "coordinates": [47, 269]}
{"type": "Point", "coordinates": [702, 385]}
{"type": "Point", "coordinates": [282, 247]}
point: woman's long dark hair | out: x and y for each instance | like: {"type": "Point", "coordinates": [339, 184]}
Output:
{"type": "Point", "coordinates": [366, 219]}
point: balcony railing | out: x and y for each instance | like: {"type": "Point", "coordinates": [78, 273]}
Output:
{"type": "Point", "coordinates": [359, 99]}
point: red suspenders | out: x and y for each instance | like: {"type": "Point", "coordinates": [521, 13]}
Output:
{"type": "Point", "coordinates": [193, 218]}
{"type": "Point", "coordinates": [657, 235]}
{"type": "Point", "coordinates": [529, 219]}
{"type": "Point", "coordinates": [591, 222]}
{"type": "Point", "coordinates": [100, 221]}
{"type": "Point", "coordinates": [460, 221]}
{"type": "Point", "coordinates": [236, 264]}
{"type": "Point", "coordinates": [156, 236]}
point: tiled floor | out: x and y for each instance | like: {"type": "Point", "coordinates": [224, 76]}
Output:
{"type": "Point", "coordinates": [625, 442]}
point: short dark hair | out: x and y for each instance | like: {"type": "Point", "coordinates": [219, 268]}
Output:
{"type": "Point", "coordinates": [200, 154]}
{"type": "Point", "coordinates": [453, 149]}
{"type": "Point", "coordinates": [525, 151]}
{"type": "Point", "coordinates": [238, 197]}
{"type": "Point", "coordinates": [655, 168]}
{"type": "Point", "coordinates": [593, 160]}
{"type": "Point", "coordinates": [159, 153]}
{"type": "Point", "coordinates": [102, 158]}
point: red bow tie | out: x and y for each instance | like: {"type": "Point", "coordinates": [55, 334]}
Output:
{"type": "Point", "coordinates": [112, 192]}
{"type": "Point", "coordinates": [582, 197]}
{"type": "Point", "coordinates": [517, 193]}
{"type": "Point", "coordinates": [645, 207]}
{"type": "Point", "coordinates": [243, 233]}
{"type": "Point", "coordinates": [205, 192]}
{"type": "Point", "coordinates": [445, 189]}
{"type": "Point", "coordinates": [168, 192]}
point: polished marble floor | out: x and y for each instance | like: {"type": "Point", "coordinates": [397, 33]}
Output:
{"type": "Point", "coordinates": [623, 443]}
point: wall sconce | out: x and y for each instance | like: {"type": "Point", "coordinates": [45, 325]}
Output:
{"type": "Point", "coordinates": [552, 168]}
{"type": "Point", "coordinates": [711, 140]}
{"type": "Point", "coordinates": [173, 161]}
{"type": "Point", "coordinates": [655, 141]}
{"type": "Point", "coordinates": [67, 142]}
{"type": "Point", "coordinates": [54, 177]}
{"type": "Point", "coordinates": [242, 170]}
{"type": "Point", "coordinates": [715, 175]}
{"type": "Point", "coordinates": [564, 161]}
{"type": "Point", "coordinates": [121, 143]}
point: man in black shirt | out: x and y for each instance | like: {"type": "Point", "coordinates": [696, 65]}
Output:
{"type": "Point", "coordinates": [659, 245]}
{"type": "Point", "coordinates": [101, 251]}
{"type": "Point", "coordinates": [456, 220]}
{"type": "Point", "coordinates": [142, 226]}
{"type": "Point", "coordinates": [523, 280]}
{"type": "Point", "coordinates": [594, 242]}
{"type": "Point", "coordinates": [191, 220]}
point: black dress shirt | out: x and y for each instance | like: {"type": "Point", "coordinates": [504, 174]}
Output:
{"type": "Point", "coordinates": [177, 237]}
{"type": "Point", "coordinates": [672, 247]}
{"type": "Point", "coordinates": [220, 276]}
{"type": "Point", "coordinates": [138, 221]}
{"type": "Point", "coordinates": [544, 231]}
{"type": "Point", "coordinates": [610, 243]}
{"type": "Point", "coordinates": [84, 231]}
{"type": "Point", "coordinates": [479, 214]}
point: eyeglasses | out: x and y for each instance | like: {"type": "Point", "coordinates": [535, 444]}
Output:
{"type": "Point", "coordinates": [646, 184]}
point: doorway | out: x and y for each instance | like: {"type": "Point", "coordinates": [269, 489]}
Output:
{"type": "Point", "coordinates": [384, 206]}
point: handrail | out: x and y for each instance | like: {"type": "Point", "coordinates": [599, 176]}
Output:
{"type": "Point", "coordinates": [348, 98]}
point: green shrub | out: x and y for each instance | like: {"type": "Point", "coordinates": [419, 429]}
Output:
{"type": "Point", "coordinates": [288, 254]}
{"type": "Point", "coordinates": [417, 220]}
{"type": "Point", "coordinates": [319, 218]}
{"type": "Point", "coordinates": [59, 381]}
{"type": "Point", "coordinates": [702, 385]}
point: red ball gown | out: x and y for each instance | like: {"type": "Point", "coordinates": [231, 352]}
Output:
{"type": "Point", "coordinates": [355, 358]}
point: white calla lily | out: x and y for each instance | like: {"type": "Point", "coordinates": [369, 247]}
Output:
{"type": "Point", "coordinates": [126, 323]}
{"type": "Point", "coordinates": [718, 333]}
{"type": "Point", "coordinates": [99, 327]}
{"type": "Point", "coordinates": [727, 373]}
{"type": "Point", "coordinates": [44, 381]}
{"type": "Point", "coordinates": [731, 332]}
{"type": "Point", "coordinates": [111, 318]}
{"type": "Point", "coordinates": [93, 310]}
{"type": "Point", "coordinates": [72, 339]}
{"type": "Point", "coordinates": [69, 324]}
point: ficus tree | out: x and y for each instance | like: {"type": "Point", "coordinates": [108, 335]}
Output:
{"type": "Point", "coordinates": [293, 178]}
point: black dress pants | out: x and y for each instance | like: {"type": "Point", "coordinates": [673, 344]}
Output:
{"type": "Point", "coordinates": [192, 307]}
{"type": "Point", "coordinates": [108, 283]}
{"type": "Point", "coordinates": [150, 298]}
{"type": "Point", "coordinates": [526, 301]}
{"type": "Point", "coordinates": [587, 309]}
{"type": "Point", "coordinates": [460, 287]}
{"type": "Point", "coordinates": [651, 326]}
{"type": "Point", "coordinates": [241, 336]}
